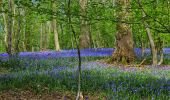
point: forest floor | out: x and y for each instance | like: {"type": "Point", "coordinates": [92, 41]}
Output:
{"type": "Point", "coordinates": [31, 95]}
{"type": "Point", "coordinates": [52, 75]}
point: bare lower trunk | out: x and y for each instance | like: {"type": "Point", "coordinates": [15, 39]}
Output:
{"type": "Point", "coordinates": [124, 51]}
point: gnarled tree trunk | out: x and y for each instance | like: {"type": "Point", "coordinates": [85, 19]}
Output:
{"type": "Point", "coordinates": [124, 51]}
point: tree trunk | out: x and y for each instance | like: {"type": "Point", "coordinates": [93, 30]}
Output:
{"type": "Point", "coordinates": [148, 31]}
{"type": "Point", "coordinates": [41, 37]}
{"type": "Point", "coordinates": [9, 37]}
{"type": "Point", "coordinates": [14, 25]}
{"type": "Point", "coordinates": [124, 51]}
{"type": "Point", "coordinates": [49, 33]}
{"type": "Point", "coordinates": [45, 36]}
{"type": "Point", "coordinates": [18, 33]}
{"type": "Point", "coordinates": [84, 27]}
{"type": "Point", "coordinates": [153, 49]}
{"type": "Point", "coordinates": [5, 17]}
{"type": "Point", "coordinates": [54, 26]}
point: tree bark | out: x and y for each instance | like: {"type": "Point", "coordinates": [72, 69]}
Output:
{"type": "Point", "coordinates": [84, 27]}
{"type": "Point", "coordinates": [148, 31]}
{"type": "Point", "coordinates": [49, 33]}
{"type": "Point", "coordinates": [41, 37]}
{"type": "Point", "coordinates": [45, 36]}
{"type": "Point", "coordinates": [18, 33]}
{"type": "Point", "coordinates": [5, 28]}
{"type": "Point", "coordinates": [54, 27]}
{"type": "Point", "coordinates": [124, 51]}
{"type": "Point", "coordinates": [9, 37]}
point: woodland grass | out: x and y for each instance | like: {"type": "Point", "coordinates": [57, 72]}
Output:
{"type": "Point", "coordinates": [51, 75]}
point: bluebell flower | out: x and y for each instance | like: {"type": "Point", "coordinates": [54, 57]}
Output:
{"type": "Point", "coordinates": [73, 53]}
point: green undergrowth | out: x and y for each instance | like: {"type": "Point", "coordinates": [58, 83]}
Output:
{"type": "Point", "coordinates": [112, 82]}
{"type": "Point", "coordinates": [109, 82]}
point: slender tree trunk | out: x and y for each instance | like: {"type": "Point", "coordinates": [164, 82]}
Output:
{"type": "Point", "coordinates": [23, 29]}
{"type": "Point", "coordinates": [142, 46]}
{"type": "Point", "coordinates": [148, 31]}
{"type": "Point", "coordinates": [18, 33]}
{"type": "Point", "coordinates": [49, 33]}
{"type": "Point", "coordinates": [84, 27]}
{"type": "Point", "coordinates": [45, 36]}
{"type": "Point", "coordinates": [153, 49]}
{"type": "Point", "coordinates": [27, 37]}
{"type": "Point", "coordinates": [24, 34]}
{"type": "Point", "coordinates": [5, 17]}
{"type": "Point", "coordinates": [14, 25]}
{"type": "Point", "coordinates": [98, 41]}
{"type": "Point", "coordinates": [41, 37]}
{"type": "Point", "coordinates": [54, 26]}
{"type": "Point", "coordinates": [90, 36]}
{"type": "Point", "coordinates": [124, 51]}
{"type": "Point", "coordinates": [9, 37]}
{"type": "Point", "coordinates": [28, 31]}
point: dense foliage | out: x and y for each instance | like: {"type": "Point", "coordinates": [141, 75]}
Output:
{"type": "Point", "coordinates": [35, 16]}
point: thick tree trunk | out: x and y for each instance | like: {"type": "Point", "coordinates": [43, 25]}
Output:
{"type": "Point", "coordinates": [124, 51]}
{"type": "Point", "coordinates": [54, 26]}
{"type": "Point", "coordinates": [84, 27]}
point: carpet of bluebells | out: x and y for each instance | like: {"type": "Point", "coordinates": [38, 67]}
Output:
{"type": "Point", "coordinates": [51, 70]}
